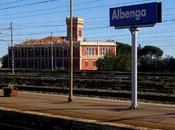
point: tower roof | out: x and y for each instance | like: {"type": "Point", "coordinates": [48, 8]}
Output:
{"type": "Point", "coordinates": [78, 20]}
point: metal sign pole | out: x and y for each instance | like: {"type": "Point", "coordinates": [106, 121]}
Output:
{"type": "Point", "coordinates": [134, 31]}
{"type": "Point", "coordinates": [122, 17]}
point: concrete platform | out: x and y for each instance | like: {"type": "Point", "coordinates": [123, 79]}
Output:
{"type": "Point", "coordinates": [113, 113]}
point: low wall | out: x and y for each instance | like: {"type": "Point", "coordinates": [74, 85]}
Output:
{"type": "Point", "coordinates": [40, 121]}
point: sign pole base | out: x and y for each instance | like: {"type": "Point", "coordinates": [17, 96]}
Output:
{"type": "Point", "coordinates": [70, 99]}
{"type": "Point", "coordinates": [133, 107]}
{"type": "Point", "coordinates": [134, 103]}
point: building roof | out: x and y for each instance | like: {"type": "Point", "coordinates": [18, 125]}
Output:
{"type": "Point", "coordinates": [45, 40]}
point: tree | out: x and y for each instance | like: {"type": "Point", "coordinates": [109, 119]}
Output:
{"type": "Point", "coordinates": [107, 62]}
{"type": "Point", "coordinates": [169, 63]}
{"type": "Point", "coordinates": [150, 51]}
{"type": "Point", "coordinates": [120, 62]}
{"type": "Point", "coordinates": [149, 59]}
{"type": "Point", "coordinates": [123, 57]}
{"type": "Point", "coordinates": [123, 48]}
{"type": "Point", "coordinates": [145, 64]}
{"type": "Point", "coordinates": [5, 61]}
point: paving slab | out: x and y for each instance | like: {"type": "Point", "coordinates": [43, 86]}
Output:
{"type": "Point", "coordinates": [112, 112]}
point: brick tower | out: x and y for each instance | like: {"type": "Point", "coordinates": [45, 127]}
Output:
{"type": "Point", "coordinates": [77, 28]}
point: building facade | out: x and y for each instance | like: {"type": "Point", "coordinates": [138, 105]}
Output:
{"type": "Point", "coordinates": [54, 52]}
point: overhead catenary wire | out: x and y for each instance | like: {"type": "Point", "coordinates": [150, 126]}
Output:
{"type": "Point", "coordinates": [47, 9]}
{"type": "Point", "coordinates": [94, 21]}
{"type": "Point", "coordinates": [66, 5]}
{"type": "Point", "coordinates": [28, 4]}
{"type": "Point", "coordinates": [12, 2]}
{"type": "Point", "coordinates": [58, 9]}
{"type": "Point", "coordinates": [88, 28]}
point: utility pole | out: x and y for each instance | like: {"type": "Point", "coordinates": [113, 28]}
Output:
{"type": "Point", "coordinates": [52, 50]}
{"type": "Point", "coordinates": [12, 50]}
{"type": "Point", "coordinates": [70, 98]}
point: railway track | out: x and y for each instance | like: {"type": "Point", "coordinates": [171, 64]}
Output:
{"type": "Point", "coordinates": [105, 84]}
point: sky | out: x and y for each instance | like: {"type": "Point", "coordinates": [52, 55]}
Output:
{"type": "Point", "coordinates": [38, 18]}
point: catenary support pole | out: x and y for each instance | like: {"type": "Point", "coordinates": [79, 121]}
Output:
{"type": "Point", "coordinates": [12, 49]}
{"type": "Point", "coordinates": [134, 104]}
{"type": "Point", "coordinates": [52, 50]}
{"type": "Point", "coordinates": [70, 98]}
{"type": "Point", "coordinates": [8, 57]}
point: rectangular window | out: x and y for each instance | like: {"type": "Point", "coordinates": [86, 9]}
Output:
{"type": "Point", "coordinates": [30, 52]}
{"type": "Point", "coordinates": [44, 51]}
{"type": "Point", "coordinates": [94, 63]}
{"type": "Point", "coordinates": [86, 63]}
{"type": "Point", "coordinates": [90, 51]}
{"type": "Point", "coordinates": [49, 51]}
{"type": "Point", "coordinates": [107, 50]}
{"type": "Point", "coordinates": [59, 51]}
{"type": "Point", "coordinates": [96, 51]}
{"type": "Point", "coordinates": [87, 51]}
{"type": "Point", "coordinates": [37, 52]}
{"type": "Point", "coordinates": [93, 51]}
{"type": "Point", "coordinates": [101, 51]}
{"type": "Point", "coordinates": [66, 52]}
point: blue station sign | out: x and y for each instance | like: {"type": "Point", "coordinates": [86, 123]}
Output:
{"type": "Point", "coordinates": [140, 15]}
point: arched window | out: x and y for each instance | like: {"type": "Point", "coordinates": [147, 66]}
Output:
{"type": "Point", "coordinates": [80, 33]}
